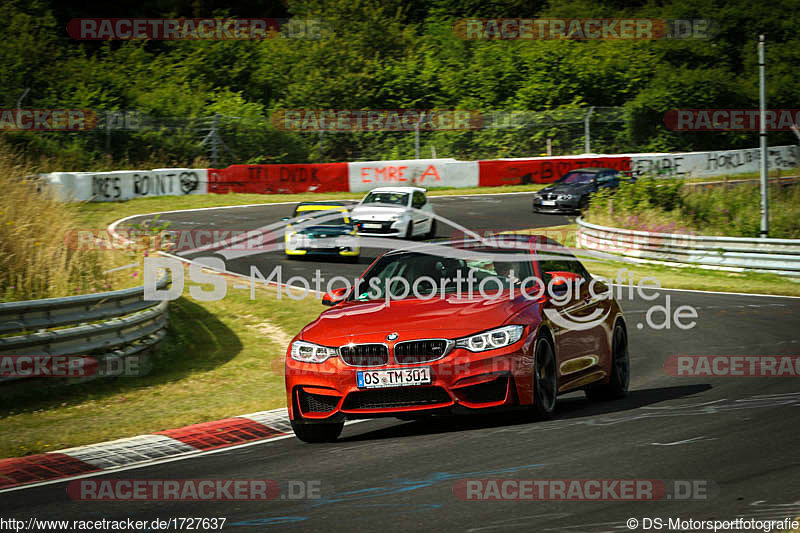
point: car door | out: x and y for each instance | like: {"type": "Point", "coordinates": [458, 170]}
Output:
{"type": "Point", "coordinates": [579, 323]}
{"type": "Point", "coordinates": [419, 214]}
{"type": "Point", "coordinates": [608, 180]}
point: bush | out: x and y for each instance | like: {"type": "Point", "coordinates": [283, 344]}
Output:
{"type": "Point", "coordinates": [670, 206]}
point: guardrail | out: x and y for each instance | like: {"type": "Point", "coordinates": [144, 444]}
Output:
{"type": "Point", "coordinates": [774, 256]}
{"type": "Point", "coordinates": [108, 326]}
{"type": "Point", "coordinates": [781, 181]}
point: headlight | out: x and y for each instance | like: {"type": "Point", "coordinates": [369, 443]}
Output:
{"type": "Point", "coordinates": [489, 340]}
{"type": "Point", "coordinates": [297, 240]}
{"type": "Point", "coordinates": [307, 352]}
{"type": "Point", "coordinates": [565, 197]}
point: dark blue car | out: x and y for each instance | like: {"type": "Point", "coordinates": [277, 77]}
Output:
{"type": "Point", "coordinates": [571, 193]}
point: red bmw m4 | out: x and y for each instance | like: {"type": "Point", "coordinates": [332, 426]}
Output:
{"type": "Point", "coordinates": [456, 328]}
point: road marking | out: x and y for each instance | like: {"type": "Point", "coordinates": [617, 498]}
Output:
{"type": "Point", "coordinates": [679, 442]}
{"type": "Point", "coordinates": [714, 292]}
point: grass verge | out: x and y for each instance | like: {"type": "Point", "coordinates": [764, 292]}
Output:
{"type": "Point", "coordinates": [220, 359]}
{"type": "Point", "coordinates": [668, 206]}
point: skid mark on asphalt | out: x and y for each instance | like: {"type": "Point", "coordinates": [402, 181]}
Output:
{"type": "Point", "coordinates": [651, 412]}
{"type": "Point", "coordinates": [519, 522]}
{"type": "Point", "coordinates": [759, 510]}
{"type": "Point", "coordinates": [712, 307]}
{"type": "Point", "coordinates": [391, 487]}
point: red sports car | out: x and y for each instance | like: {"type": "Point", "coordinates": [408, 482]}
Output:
{"type": "Point", "coordinates": [447, 328]}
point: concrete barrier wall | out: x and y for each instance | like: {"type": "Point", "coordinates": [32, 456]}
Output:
{"type": "Point", "coordinates": [126, 184]}
{"type": "Point", "coordinates": [366, 175]}
{"type": "Point", "coordinates": [278, 179]}
{"type": "Point", "coordinates": [497, 172]}
{"type": "Point", "coordinates": [701, 164]}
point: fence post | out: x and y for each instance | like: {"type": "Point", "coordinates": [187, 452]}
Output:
{"type": "Point", "coordinates": [587, 147]}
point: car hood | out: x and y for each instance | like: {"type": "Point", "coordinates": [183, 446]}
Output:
{"type": "Point", "coordinates": [376, 212]}
{"type": "Point", "coordinates": [567, 188]}
{"type": "Point", "coordinates": [448, 318]}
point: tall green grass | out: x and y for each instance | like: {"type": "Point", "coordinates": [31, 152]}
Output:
{"type": "Point", "coordinates": [669, 206]}
{"type": "Point", "coordinates": [35, 259]}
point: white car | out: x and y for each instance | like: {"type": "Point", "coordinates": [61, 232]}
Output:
{"type": "Point", "coordinates": [395, 212]}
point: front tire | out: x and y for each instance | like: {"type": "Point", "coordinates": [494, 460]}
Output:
{"type": "Point", "coordinates": [410, 230]}
{"type": "Point", "coordinates": [545, 380]}
{"type": "Point", "coordinates": [617, 386]}
{"type": "Point", "coordinates": [432, 232]}
{"type": "Point", "coordinates": [314, 433]}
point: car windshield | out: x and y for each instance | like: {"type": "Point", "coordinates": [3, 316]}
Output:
{"type": "Point", "coordinates": [397, 198]}
{"type": "Point", "coordinates": [327, 217]}
{"type": "Point", "coordinates": [419, 275]}
{"type": "Point", "coordinates": [577, 177]}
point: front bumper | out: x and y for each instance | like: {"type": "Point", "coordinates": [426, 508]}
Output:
{"type": "Point", "coordinates": [560, 206]}
{"type": "Point", "coordinates": [388, 228]}
{"type": "Point", "coordinates": [327, 246]}
{"type": "Point", "coordinates": [344, 252]}
{"type": "Point", "coordinates": [462, 380]}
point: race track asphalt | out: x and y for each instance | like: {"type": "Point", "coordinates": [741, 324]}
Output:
{"type": "Point", "coordinates": [736, 436]}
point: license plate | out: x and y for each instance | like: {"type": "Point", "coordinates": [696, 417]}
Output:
{"type": "Point", "coordinates": [548, 202]}
{"type": "Point", "coordinates": [319, 244]}
{"type": "Point", "coordinates": [373, 226]}
{"type": "Point", "coordinates": [396, 377]}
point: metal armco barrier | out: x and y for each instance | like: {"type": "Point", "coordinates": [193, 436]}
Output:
{"type": "Point", "coordinates": [775, 256]}
{"type": "Point", "coordinates": [105, 325]}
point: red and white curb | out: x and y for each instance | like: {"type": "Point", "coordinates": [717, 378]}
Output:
{"type": "Point", "coordinates": [125, 453]}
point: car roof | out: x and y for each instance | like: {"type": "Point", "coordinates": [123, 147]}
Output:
{"type": "Point", "coordinates": [592, 170]}
{"type": "Point", "coordinates": [323, 203]}
{"type": "Point", "coordinates": [477, 244]}
{"type": "Point", "coordinates": [398, 189]}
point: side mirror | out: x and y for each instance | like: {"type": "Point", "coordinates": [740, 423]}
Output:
{"type": "Point", "coordinates": [335, 296]}
{"type": "Point", "coordinates": [561, 280]}
{"type": "Point", "coordinates": [559, 286]}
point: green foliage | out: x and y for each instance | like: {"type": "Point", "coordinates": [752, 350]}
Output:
{"type": "Point", "coordinates": [670, 206]}
{"type": "Point", "coordinates": [374, 54]}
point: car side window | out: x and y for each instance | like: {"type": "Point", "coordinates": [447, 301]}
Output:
{"type": "Point", "coordinates": [608, 178]}
{"type": "Point", "coordinates": [561, 262]}
{"type": "Point", "coordinates": [418, 200]}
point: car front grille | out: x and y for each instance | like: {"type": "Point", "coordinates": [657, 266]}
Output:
{"type": "Point", "coordinates": [421, 351]}
{"type": "Point", "coordinates": [386, 227]}
{"type": "Point", "coordinates": [365, 354]}
{"type": "Point", "coordinates": [395, 397]}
